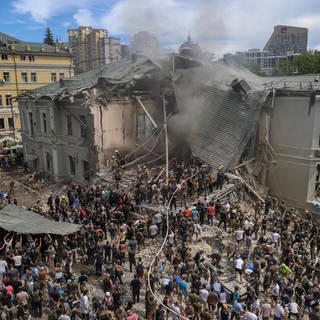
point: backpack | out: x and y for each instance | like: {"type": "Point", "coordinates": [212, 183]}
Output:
{"type": "Point", "coordinates": [139, 267]}
{"type": "Point", "coordinates": [35, 296]}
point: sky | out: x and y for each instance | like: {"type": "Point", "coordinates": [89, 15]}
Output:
{"type": "Point", "coordinates": [219, 26]}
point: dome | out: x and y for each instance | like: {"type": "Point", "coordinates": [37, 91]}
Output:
{"type": "Point", "coordinates": [190, 48]}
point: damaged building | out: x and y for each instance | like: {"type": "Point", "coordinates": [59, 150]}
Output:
{"type": "Point", "coordinates": [222, 113]}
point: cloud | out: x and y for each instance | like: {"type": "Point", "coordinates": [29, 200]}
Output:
{"type": "Point", "coordinates": [84, 17]}
{"type": "Point", "coordinates": [219, 25]}
{"type": "Point", "coordinates": [66, 24]}
{"type": "Point", "coordinates": [42, 10]}
{"type": "Point", "coordinates": [169, 20]}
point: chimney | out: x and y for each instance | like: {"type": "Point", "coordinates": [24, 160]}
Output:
{"type": "Point", "coordinates": [133, 58]}
{"type": "Point", "coordinates": [43, 49]}
{"type": "Point", "coordinates": [56, 49]}
{"type": "Point", "coordinates": [28, 47]}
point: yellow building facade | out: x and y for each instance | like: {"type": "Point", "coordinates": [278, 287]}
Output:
{"type": "Point", "coordinates": [25, 66]}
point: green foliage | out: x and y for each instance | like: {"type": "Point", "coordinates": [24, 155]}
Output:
{"type": "Point", "coordinates": [306, 62]}
{"type": "Point", "coordinates": [48, 37]}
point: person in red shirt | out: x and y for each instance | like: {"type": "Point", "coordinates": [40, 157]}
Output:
{"type": "Point", "coordinates": [187, 212]}
{"type": "Point", "coordinates": [210, 213]}
{"type": "Point", "coordinates": [131, 315]}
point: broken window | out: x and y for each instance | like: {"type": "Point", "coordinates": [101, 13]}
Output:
{"type": "Point", "coordinates": [8, 99]}
{"type": "Point", "coordinates": [31, 123]}
{"type": "Point", "coordinates": [317, 189]}
{"type": "Point", "coordinates": [10, 123]}
{"type": "Point", "coordinates": [44, 122]}
{"type": "Point", "coordinates": [83, 127]}
{"type": "Point", "coordinates": [69, 125]}
{"type": "Point", "coordinates": [72, 165]}
{"type": "Point", "coordinates": [48, 161]}
{"type": "Point", "coordinates": [6, 77]}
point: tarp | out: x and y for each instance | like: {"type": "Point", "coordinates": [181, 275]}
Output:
{"type": "Point", "coordinates": [19, 220]}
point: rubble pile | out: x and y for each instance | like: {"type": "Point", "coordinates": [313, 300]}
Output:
{"type": "Point", "coordinates": [213, 228]}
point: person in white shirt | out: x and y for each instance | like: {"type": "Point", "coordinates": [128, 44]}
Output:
{"type": "Point", "coordinates": [239, 267]}
{"type": "Point", "coordinates": [217, 287]}
{"type": "Point", "coordinates": [64, 316]}
{"type": "Point", "coordinates": [84, 305]}
{"type": "Point", "coordinates": [294, 310]}
{"type": "Point", "coordinates": [197, 230]}
{"type": "Point", "coordinates": [3, 268]}
{"type": "Point", "coordinates": [203, 296]}
{"type": "Point", "coordinates": [153, 231]}
{"type": "Point", "coordinates": [251, 316]}
{"type": "Point", "coordinates": [279, 311]}
{"type": "Point", "coordinates": [176, 311]}
{"type": "Point", "coordinates": [239, 237]}
{"type": "Point", "coordinates": [275, 290]}
{"type": "Point", "coordinates": [275, 239]}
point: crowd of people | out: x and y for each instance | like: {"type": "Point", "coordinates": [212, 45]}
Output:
{"type": "Point", "coordinates": [272, 250]}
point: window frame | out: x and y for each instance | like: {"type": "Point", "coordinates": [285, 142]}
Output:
{"type": "Point", "coordinates": [11, 125]}
{"type": "Point", "coordinates": [72, 165]}
{"type": "Point", "coordinates": [24, 77]}
{"type": "Point", "coordinates": [33, 77]}
{"type": "Point", "coordinates": [44, 122]}
{"type": "Point", "coordinates": [6, 76]}
{"type": "Point", "coordinates": [53, 77]}
{"type": "Point", "coordinates": [83, 128]}
{"type": "Point", "coordinates": [8, 99]}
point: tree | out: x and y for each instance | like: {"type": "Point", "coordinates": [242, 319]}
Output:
{"type": "Point", "coordinates": [306, 62]}
{"type": "Point", "coordinates": [48, 37]}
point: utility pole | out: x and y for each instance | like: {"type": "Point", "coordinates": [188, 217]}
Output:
{"type": "Point", "coordinates": [166, 137]}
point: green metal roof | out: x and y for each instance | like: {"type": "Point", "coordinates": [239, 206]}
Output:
{"type": "Point", "coordinates": [7, 41]}
{"type": "Point", "coordinates": [115, 73]}
{"type": "Point", "coordinates": [17, 219]}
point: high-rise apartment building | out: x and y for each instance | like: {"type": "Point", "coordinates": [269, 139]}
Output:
{"type": "Point", "coordinates": [287, 39]}
{"type": "Point", "coordinates": [92, 48]}
{"type": "Point", "coordinates": [285, 43]}
{"type": "Point", "coordinates": [25, 66]}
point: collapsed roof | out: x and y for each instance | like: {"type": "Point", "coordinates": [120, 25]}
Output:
{"type": "Point", "coordinates": [219, 104]}
{"type": "Point", "coordinates": [17, 219]}
{"type": "Point", "coordinates": [220, 118]}
{"type": "Point", "coordinates": [113, 74]}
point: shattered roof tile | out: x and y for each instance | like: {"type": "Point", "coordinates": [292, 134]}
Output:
{"type": "Point", "coordinates": [114, 73]}
{"type": "Point", "coordinates": [226, 121]}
